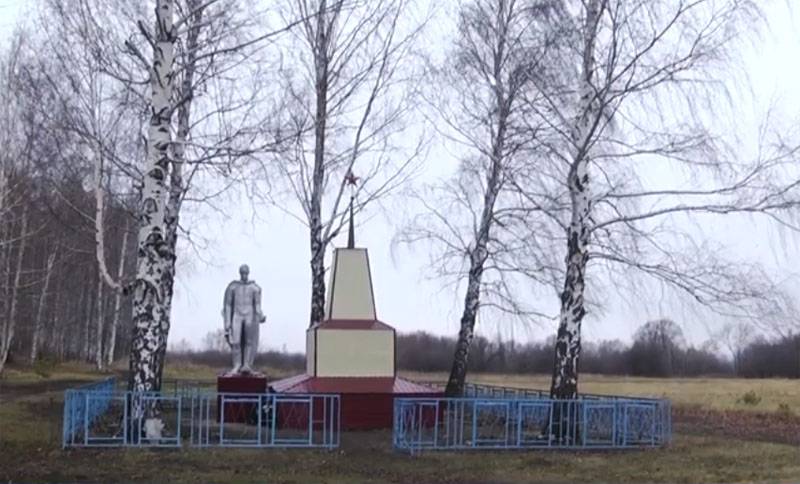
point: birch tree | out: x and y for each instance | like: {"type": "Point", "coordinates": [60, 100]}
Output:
{"type": "Point", "coordinates": [485, 105]}
{"type": "Point", "coordinates": [16, 230]}
{"type": "Point", "coordinates": [645, 69]}
{"type": "Point", "coordinates": [115, 318]}
{"type": "Point", "coordinates": [10, 321]}
{"type": "Point", "coordinates": [348, 100]}
{"type": "Point", "coordinates": [217, 133]}
{"type": "Point", "coordinates": [40, 311]}
{"type": "Point", "coordinates": [148, 297]}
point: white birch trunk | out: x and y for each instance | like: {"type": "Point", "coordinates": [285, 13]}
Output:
{"type": "Point", "coordinates": [176, 187]}
{"type": "Point", "coordinates": [87, 310]}
{"type": "Point", "coordinates": [99, 232]}
{"type": "Point", "coordinates": [112, 336]}
{"type": "Point", "coordinates": [568, 339]}
{"type": "Point", "coordinates": [5, 264]}
{"type": "Point", "coordinates": [39, 322]}
{"type": "Point", "coordinates": [148, 300]}
{"type": "Point", "coordinates": [317, 245]}
{"type": "Point", "coordinates": [478, 256]}
{"type": "Point", "coordinates": [99, 322]}
{"type": "Point", "coordinates": [56, 339]}
{"type": "Point", "coordinates": [12, 314]}
{"type": "Point", "coordinates": [480, 251]}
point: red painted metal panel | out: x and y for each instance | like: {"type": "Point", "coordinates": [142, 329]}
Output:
{"type": "Point", "coordinates": [239, 412]}
{"type": "Point", "coordinates": [359, 411]}
{"type": "Point", "coordinates": [366, 403]}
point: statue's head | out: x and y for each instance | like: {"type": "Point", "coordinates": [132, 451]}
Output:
{"type": "Point", "coordinates": [244, 272]}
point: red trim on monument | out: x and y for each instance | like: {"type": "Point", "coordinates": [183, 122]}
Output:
{"type": "Point", "coordinates": [310, 384]}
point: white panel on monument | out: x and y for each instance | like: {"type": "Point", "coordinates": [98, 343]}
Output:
{"type": "Point", "coordinates": [310, 352]}
{"type": "Point", "coordinates": [350, 342]}
{"type": "Point", "coordinates": [350, 293]}
{"type": "Point", "coordinates": [355, 353]}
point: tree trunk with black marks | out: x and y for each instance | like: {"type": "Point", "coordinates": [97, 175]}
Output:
{"type": "Point", "coordinates": [568, 339]}
{"type": "Point", "coordinates": [38, 324]}
{"type": "Point", "coordinates": [478, 256]}
{"type": "Point", "coordinates": [458, 372]}
{"type": "Point", "coordinates": [57, 341]}
{"type": "Point", "coordinates": [148, 299]}
{"type": "Point", "coordinates": [112, 332]}
{"type": "Point", "coordinates": [99, 324]}
{"type": "Point", "coordinates": [480, 251]}
{"type": "Point", "coordinates": [185, 96]}
{"type": "Point", "coordinates": [317, 245]}
{"type": "Point", "coordinates": [8, 336]}
{"type": "Point", "coordinates": [88, 318]}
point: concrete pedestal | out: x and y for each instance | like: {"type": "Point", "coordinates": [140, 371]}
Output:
{"type": "Point", "coordinates": [245, 412]}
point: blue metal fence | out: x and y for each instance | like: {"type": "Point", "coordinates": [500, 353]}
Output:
{"type": "Point", "coordinates": [265, 420]}
{"type": "Point", "coordinates": [480, 390]}
{"type": "Point", "coordinates": [98, 416]}
{"type": "Point", "coordinates": [520, 423]}
{"type": "Point", "coordinates": [106, 418]}
{"type": "Point", "coordinates": [489, 417]}
{"type": "Point", "coordinates": [81, 412]}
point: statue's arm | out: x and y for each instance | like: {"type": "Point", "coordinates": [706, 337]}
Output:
{"type": "Point", "coordinates": [227, 309]}
{"type": "Point", "coordinates": [257, 304]}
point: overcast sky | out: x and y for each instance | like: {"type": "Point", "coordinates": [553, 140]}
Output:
{"type": "Point", "coordinates": [276, 247]}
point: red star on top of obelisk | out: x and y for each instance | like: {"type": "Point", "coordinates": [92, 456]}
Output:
{"type": "Point", "coordinates": [350, 179]}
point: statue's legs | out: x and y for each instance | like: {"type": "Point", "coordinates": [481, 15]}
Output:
{"type": "Point", "coordinates": [236, 343]}
{"type": "Point", "coordinates": [250, 345]}
{"type": "Point", "coordinates": [236, 352]}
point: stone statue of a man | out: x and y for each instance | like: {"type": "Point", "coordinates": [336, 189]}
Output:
{"type": "Point", "coordinates": [242, 315]}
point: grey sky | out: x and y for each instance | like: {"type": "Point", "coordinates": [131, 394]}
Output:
{"type": "Point", "coordinates": [276, 248]}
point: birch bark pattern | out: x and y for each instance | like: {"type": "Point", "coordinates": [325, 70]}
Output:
{"type": "Point", "coordinates": [480, 252]}
{"type": "Point", "coordinates": [317, 245]}
{"type": "Point", "coordinates": [100, 322]}
{"type": "Point", "coordinates": [176, 186]}
{"type": "Point", "coordinates": [148, 300]}
{"type": "Point", "coordinates": [99, 212]}
{"type": "Point", "coordinates": [478, 256]}
{"type": "Point", "coordinates": [12, 314]}
{"type": "Point", "coordinates": [568, 339]}
{"type": "Point", "coordinates": [5, 265]}
{"type": "Point", "coordinates": [39, 322]}
{"type": "Point", "coordinates": [112, 336]}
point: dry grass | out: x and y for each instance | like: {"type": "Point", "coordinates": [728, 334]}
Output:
{"type": "Point", "coordinates": [712, 393]}
{"type": "Point", "coordinates": [30, 425]}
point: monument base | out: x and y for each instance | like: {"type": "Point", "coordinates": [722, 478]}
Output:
{"type": "Point", "coordinates": [232, 410]}
{"type": "Point", "coordinates": [367, 403]}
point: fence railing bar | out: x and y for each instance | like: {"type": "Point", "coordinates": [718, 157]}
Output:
{"type": "Point", "coordinates": [503, 423]}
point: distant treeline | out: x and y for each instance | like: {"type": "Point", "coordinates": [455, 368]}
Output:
{"type": "Point", "coordinates": [425, 352]}
{"type": "Point", "coordinates": [658, 350]}
{"type": "Point", "coordinates": [218, 358]}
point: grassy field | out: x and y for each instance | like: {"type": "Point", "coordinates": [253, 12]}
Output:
{"type": "Point", "coordinates": [712, 393]}
{"type": "Point", "coordinates": [718, 438]}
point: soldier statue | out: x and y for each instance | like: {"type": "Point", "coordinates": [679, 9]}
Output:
{"type": "Point", "coordinates": [242, 316]}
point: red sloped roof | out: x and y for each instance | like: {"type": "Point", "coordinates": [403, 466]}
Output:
{"type": "Point", "coordinates": [354, 324]}
{"type": "Point", "coordinates": [309, 384]}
